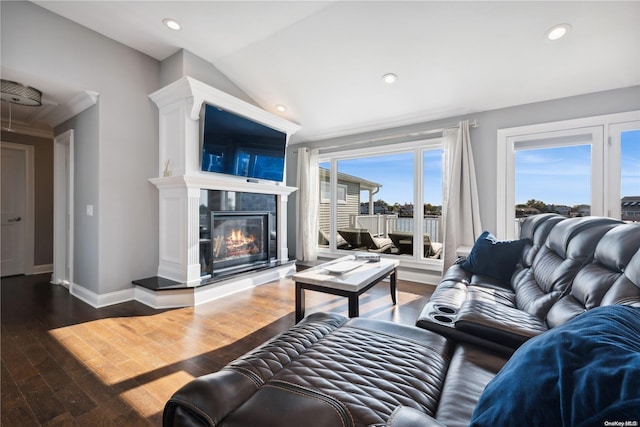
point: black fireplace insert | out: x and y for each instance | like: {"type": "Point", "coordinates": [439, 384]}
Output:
{"type": "Point", "coordinates": [239, 239]}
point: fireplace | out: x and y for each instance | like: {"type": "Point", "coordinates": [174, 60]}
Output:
{"type": "Point", "coordinates": [239, 240]}
{"type": "Point", "coordinates": [185, 256]}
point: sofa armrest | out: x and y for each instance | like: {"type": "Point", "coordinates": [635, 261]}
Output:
{"type": "Point", "coordinates": [404, 416]}
{"type": "Point", "coordinates": [206, 400]}
{"type": "Point", "coordinates": [501, 324]}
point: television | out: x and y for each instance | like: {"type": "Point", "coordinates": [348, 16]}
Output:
{"type": "Point", "coordinates": [235, 145]}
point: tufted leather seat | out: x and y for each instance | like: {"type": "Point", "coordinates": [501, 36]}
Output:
{"type": "Point", "coordinates": [336, 372]}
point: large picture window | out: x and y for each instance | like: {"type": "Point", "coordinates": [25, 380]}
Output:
{"type": "Point", "coordinates": [575, 168]}
{"type": "Point", "coordinates": [556, 179]}
{"type": "Point", "coordinates": [385, 200]}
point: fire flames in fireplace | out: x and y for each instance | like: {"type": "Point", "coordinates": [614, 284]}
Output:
{"type": "Point", "coordinates": [239, 240]}
{"type": "Point", "coordinates": [235, 244]}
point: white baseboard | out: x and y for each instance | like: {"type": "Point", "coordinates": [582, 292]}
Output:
{"type": "Point", "coordinates": [173, 298]}
{"type": "Point", "coordinates": [101, 300]}
{"type": "Point", "coordinates": [42, 268]}
{"type": "Point", "coordinates": [210, 293]}
{"type": "Point", "coordinates": [63, 283]}
{"type": "Point", "coordinates": [165, 299]}
{"type": "Point", "coordinates": [431, 278]}
{"type": "Point", "coordinates": [191, 297]}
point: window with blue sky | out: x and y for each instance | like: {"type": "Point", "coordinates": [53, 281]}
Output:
{"type": "Point", "coordinates": [365, 179]}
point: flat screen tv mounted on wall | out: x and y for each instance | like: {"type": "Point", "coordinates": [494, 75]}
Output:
{"type": "Point", "coordinates": [235, 145]}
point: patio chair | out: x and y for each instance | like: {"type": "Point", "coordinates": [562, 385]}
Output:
{"type": "Point", "coordinates": [403, 240]}
{"type": "Point", "coordinates": [361, 238]}
{"type": "Point", "coordinates": [323, 240]}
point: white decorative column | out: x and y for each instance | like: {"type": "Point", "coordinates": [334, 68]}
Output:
{"type": "Point", "coordinates": [180, 179]}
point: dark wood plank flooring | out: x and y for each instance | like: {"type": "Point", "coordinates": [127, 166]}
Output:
{"type": "Point", "coordinates": [65, 363]}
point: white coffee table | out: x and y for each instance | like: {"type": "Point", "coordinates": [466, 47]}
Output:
{"type": "Point", "coordinates": [337, 278]}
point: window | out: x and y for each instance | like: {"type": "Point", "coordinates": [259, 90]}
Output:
{"type": "Point", "coordinates": [325, 193]}
{"type": "Point", "coordinates": [375, 192]}
{"type": "Point", "coordinates": [574, 168]}
{"type": "Point", "coordinates": [553, 179]}
{"type": "Point", "coordinates": [625, 155]}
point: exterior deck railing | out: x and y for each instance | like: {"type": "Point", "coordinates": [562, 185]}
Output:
{"type": "Point", "coordinates": [378, 225]}
{"type": "Point", "coordinates": [382, 225]}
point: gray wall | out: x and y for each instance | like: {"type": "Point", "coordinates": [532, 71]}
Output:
{"type": "Point", "coordinates": [122, 153]}
{"type": "Point", "coordinates": [184, 63]}
{"type": "Point", "coordinates": [43, 188]}
{"type": "Point", "coordinates": [86, 254]}
{"type": "Point", "coordinates": [484, 138]}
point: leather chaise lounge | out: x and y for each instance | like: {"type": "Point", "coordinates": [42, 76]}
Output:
{"type": "Point", "coordinates": [535, 348]}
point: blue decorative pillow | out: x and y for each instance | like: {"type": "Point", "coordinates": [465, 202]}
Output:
{"type": "Point", "coordinates": [494, 258]}
{"type": "Point", "coordinates": [583, 373]}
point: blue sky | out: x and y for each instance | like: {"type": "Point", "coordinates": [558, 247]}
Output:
{"type": "Point", "coordinates": [554, 175]}
{"type": "Point", "coordinates": [395, 173]}
{"type": "Point", "coordinates": [631, 163]}
{"type": "Point", "coordinates": [561, 175]}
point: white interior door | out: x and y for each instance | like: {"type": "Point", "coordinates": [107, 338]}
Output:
{"type": "Point", "coordinates": [13, 210]}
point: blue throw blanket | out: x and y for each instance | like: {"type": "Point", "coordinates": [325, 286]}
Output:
{"type": "Point", "coordinates": [583, 373]}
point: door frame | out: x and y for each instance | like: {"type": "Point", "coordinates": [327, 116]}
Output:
{"type": "Point", "coordinates": [612, 184]}
{"type": "Point", "coordinates": [29, 213]}
{"type": "Point", "coordinates": [63, 203]}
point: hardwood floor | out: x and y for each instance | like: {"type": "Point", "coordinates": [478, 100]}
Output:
{"type": "Point", "coordinates": [65, 363]}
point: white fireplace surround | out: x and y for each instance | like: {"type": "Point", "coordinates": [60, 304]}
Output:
{"type": "Point", "coordinates": [180, 179]}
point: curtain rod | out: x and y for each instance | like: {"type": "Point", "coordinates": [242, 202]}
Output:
{"type": "Point", "coordinates": [473, 123]}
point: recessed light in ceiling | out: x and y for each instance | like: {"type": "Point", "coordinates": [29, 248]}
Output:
{"type": "Point", "coordinates": [171, 24]}
{"type": "Point", "coordinates": [389, 78]}
{"type": "Point", "coordinates": [281, 108]}
{"type": "Point", "coordinates": [557, 32]}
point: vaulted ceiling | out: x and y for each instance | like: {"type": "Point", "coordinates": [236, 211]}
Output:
{"type": "Point", "coordinates": [324, 61]}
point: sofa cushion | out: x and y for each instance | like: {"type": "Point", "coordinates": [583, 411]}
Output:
{"type": "Point", "coordinates": [626, 289]}
{"type": "Point", "coordinates": [582, 373]}
{"type": "Point", "coordinates": [494, 258]}
{"type": "Point", "coordinates": [569, 247]}
{"type": "Point", "coordinates": [611, 258]}
{"type": "Point", "coordinates": [536, 228]}
{"type": "Point", "coordinates": [470, 370]}
{"type": "Point", "coordinates": [498, 323]}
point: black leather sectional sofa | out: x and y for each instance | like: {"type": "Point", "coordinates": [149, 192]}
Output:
{"type": "Point", "coordinates": [565, 267]}
{"type": "Point", "coordinates": [552, 339]}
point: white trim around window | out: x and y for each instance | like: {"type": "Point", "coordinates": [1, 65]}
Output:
{"type": "Point", "coordinates": [417, 148]}
{"type": "Point", "coordinates": [597, 131]}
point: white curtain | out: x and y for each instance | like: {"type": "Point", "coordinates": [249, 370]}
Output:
{"type": "Point", "coordinates": [307, 205]}
{"type": "Point", "coordinates": [460, 199]}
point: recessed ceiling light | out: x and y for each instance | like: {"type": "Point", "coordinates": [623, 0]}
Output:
{"type": "Point", "coordinates": [389, 78]}
{"type": "Point", "coordinates": [557, 32]}
{"type": "Point", "coordinates": [171, 23]}
{"type": "Point", "coordinates": [281, 108]}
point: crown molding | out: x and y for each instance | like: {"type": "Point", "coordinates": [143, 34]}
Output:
{"type": "Point", "coordinates": [27, 130]}
{"type": "Point", "coordinates": [71, 108]}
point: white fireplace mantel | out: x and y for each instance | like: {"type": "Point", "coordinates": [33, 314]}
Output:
{"type": "Point", "coordinates": [180, 179]}
{"type": "Point", "coordinates": [220, 182]}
